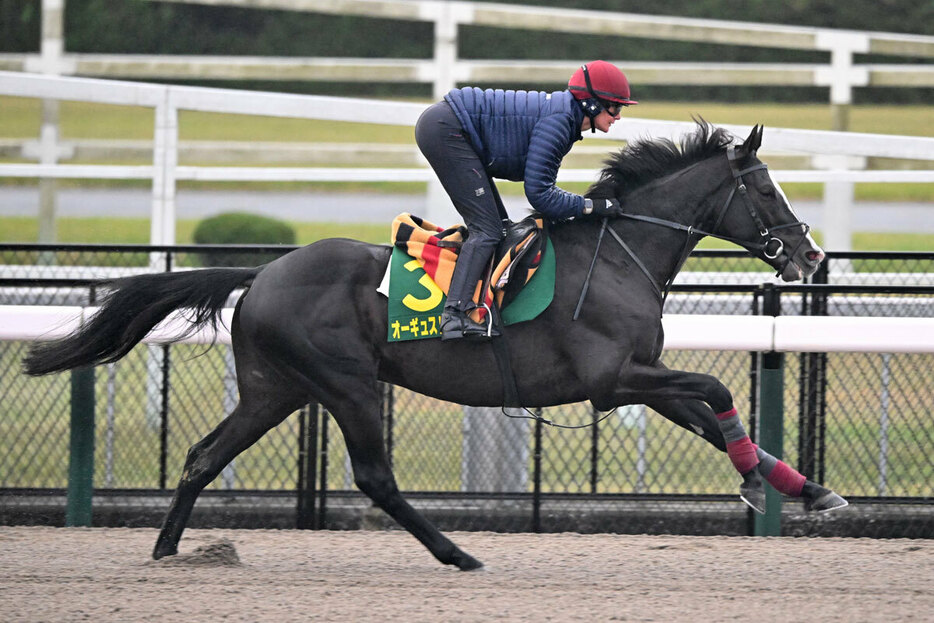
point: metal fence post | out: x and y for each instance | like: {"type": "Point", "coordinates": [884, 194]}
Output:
{"type": "Point", "coordinates": [322, 514]}
{"type": "Point", "coordinates": [81, 449]}
{"type": "Point", "coordinates": [594, 449]}
{"type": "Point", "coordinates": [537, 476]}
{"type": "Point", "coordinates": [307, 466]}
{"type": "Point", "coordinates": [772, 408]}
{"type": "Point", "coordinates": [387, 405]}
{"type": "Point", "coordinates": [813, 387]}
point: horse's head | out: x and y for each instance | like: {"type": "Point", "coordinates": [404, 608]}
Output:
{"type": "Point", "coordinates": [758, 215]}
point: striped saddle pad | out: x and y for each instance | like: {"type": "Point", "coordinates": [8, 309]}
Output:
{"type": "Point", "coordinates": [520, 256]}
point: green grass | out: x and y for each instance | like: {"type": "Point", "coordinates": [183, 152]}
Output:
{"type": "Point", "coordinates": [136, 231]}
{"type": "Point", "coordinates": [20, 118]}
{"type": "Point", "coordinates": [907, 120]}
{"type": "Point", "coordinates": [862, 241]}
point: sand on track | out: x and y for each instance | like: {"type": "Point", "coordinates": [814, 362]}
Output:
{"type": "Point", "coordinates": [105, 574]}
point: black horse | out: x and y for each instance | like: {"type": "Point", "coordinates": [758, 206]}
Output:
{"type": "Point", "coordinates": [312, 327]}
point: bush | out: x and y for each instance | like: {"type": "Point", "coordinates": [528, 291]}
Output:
{"type": "Point", "coordinates": [242, 228]}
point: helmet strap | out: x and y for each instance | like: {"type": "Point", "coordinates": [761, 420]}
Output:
{"type": "Point", "coordinates": [591, 105]}
{"type": "Point", "coordinates": [592, 108]}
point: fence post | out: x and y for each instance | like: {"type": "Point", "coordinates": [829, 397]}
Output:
{"type": "Point", "coordinates": [537, 476]}
{"type": "Point", "coordinates": [445, 49]}
{"type": "Point", "coordinates": [322, 515]}
{"type": "Point", "coordinates": [51, 49]}
{"type": "Point", "coordinates": [81, 449]}
{"type": "Point", "coordinates": [772, 408]}
{"type": "Point", "coordinates": [164, 161]}
{"type": "Point", "coordinates": [307, 466]}
{"type": "Point", "coordinates": [813, 386]}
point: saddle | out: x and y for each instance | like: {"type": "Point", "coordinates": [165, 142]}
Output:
{"type": "Point", "coordinates": [518, 258]}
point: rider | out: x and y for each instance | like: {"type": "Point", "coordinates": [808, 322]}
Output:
{"type": "Point", "coordinates": [474, 135]}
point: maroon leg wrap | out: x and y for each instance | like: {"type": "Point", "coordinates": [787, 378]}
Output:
{"type": "Point", "coordinates": [786, 479]}
{"type": "Point", "coordinates": [743, 455]}
{"type": "Point", "coordinates": [739, 447]}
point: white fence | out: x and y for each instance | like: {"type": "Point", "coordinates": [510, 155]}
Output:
{"type": "Point", "coordinates": [682, 332]}
{"type": "Point", "coordinates": [835, 149]}
{"type": "Point", "coordinates": [842, 74]}
{"type": "Point", "coordinates": [841, 156]}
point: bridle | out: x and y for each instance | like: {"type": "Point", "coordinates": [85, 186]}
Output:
{"type": "Point", "coordinates": [764, 232]}
{"type": "Point", "coordinates": [768, 244]}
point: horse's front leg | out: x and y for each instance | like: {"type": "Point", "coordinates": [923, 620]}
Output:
{"type": "Point", "coordinates": [678, 395]}
{"type": "Point", "coordinates": [697, 416]}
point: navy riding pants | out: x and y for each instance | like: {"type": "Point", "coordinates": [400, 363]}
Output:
{"type": "Point", "coordinates": [447, 148]}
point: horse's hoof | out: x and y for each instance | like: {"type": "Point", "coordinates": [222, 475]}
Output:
{"type": "Point", "coordinates": [162, 552]}
{"type": "Point", "coordinates": [752, 491]}
{"type": "Point", "coordinates": [825, 502]}
{"type": "Point", "coordinates": [466, 562]}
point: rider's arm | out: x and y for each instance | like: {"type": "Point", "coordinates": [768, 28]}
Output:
{"type": "Point", "coordinates": [550, 141]}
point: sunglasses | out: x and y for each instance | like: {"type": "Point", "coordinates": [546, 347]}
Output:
{"type": "Point", "coordinates": [613, 108]}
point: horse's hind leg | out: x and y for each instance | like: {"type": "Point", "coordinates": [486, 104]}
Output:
{"type": "Point", "coordinates": [357, 413]}
{"type": "Point", "coordinates": [241, 429]}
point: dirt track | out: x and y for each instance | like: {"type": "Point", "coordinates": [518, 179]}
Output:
{"type": "Point", "coordinates": [58, 574]}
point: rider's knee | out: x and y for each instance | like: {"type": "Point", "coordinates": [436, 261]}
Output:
{"type": "Point", "coordinates": [486, 238]}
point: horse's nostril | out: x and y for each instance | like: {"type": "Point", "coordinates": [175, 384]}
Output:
{"type": "Point", "coordinates": [815, 256]}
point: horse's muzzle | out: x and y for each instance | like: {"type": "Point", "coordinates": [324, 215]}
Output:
{"type": "Point", "coordinates": [803, 262]}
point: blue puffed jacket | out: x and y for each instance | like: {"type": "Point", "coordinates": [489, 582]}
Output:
{"type": "Point", "coordinates": [523, 136]}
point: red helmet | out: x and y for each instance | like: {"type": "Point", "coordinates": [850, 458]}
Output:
{"type": "Point", "coordinates": [600, 80]}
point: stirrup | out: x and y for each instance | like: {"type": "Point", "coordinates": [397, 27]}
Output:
{"type": "Point", "coordinates": [456, 324]}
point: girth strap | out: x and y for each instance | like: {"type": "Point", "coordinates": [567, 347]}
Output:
{"type": "Point", "coordinates": [501, 351]}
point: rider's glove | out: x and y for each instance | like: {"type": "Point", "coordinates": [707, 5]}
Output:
{"type": "Point", "coordinates": [602, 207]}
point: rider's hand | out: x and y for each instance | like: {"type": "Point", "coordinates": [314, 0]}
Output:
{"type": "Point", "coordinates": [601, 208]}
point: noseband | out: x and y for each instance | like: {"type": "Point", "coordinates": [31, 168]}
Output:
{"type": "Point", "coordinates": [770, 246]}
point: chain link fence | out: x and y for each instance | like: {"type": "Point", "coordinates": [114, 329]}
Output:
{"type": "Point", "coordinates": [858, 422]}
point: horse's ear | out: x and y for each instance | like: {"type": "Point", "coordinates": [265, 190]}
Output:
{"type": "Point", "coordinates": [754, 140]}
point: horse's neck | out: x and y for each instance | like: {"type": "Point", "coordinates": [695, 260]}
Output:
{"type": "Point", "coordinates": [686, 199]}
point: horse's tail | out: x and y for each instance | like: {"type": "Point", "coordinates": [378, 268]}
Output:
{"type": "Point", "coordinates": [132, 308]}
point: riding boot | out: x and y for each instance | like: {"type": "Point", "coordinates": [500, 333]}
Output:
{"type": "Point", "coordinates": [455, 323]}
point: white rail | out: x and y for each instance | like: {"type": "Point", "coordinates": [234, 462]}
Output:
{"type": "Point", "coordinates": [324, 69]}
{"type": "Point", "coordinates": [327, 108]}
{"type": "Point", "coordinates": [166, 101]}
{"type": "Point", "coordinates": [682, 332]}
{"type": "Point", "coordinates": [372, 174]}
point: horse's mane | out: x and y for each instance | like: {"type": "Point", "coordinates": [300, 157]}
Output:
{"type": "Point", "coordinates": [644, 161]}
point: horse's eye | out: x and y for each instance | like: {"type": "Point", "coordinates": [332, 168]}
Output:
{"type": "Point", "coordinates": [768, 191]}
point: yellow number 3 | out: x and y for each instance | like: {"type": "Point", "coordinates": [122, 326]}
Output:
{"type": "Point", "coordinates": [434, 292]}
